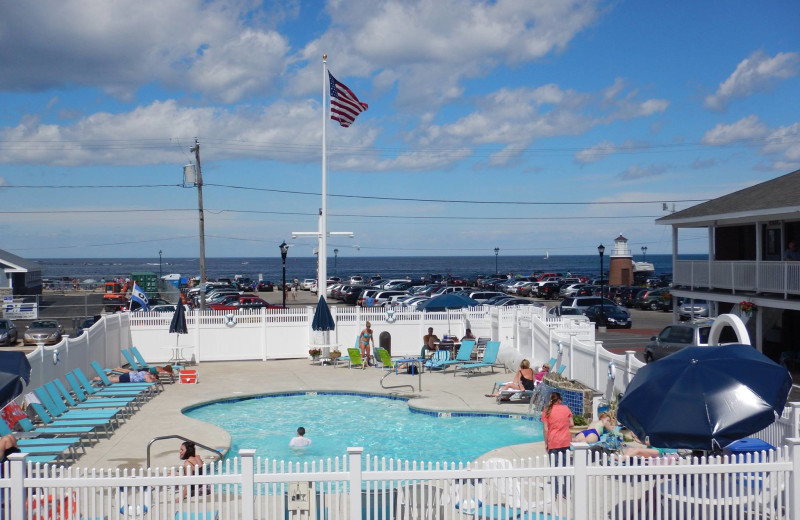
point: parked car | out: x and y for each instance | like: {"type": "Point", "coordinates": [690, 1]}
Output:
{"type": "Point", "coordinates": [651, 299]}
{"type": "Point", "coordinates": [265, 286]}
{"type": "Point", "coordinates": [43, 331]}
{"type": "Point", "coordinates": [383, 297]}
{"type": "Point", "coordinates": [518, 301]}
{"type": "Point", "coordinates": [482, 296]}
{"type": "Point", "coordinates": [351, 292]}
{"type": "Point", "coordinates": [307, 283]}
{"type": "Point", "coordinates": [676, 337]}
{"type": "Point", "coordinates": [570, 289]}
{"type": "Point", "coordinates": [85, 325]}
{"type": "Point", "coordinates": [584, 302]}
{"type": "Point", "coordinates": [366, 293]}
{"type": "Point", "coordinates": [8, 333]}
{"type": "Point", "coordinates": [548, 290]}
{"type": "Point", "coordinates": [356, 280]}
{"type": "Point", "coordinates": [627, 296]}
{"type": "Point", "coordinates": [497, 299]}
{"type": "Point", "coordinates": [245, 301]}
{"type": "Point", "coordinates": [567, 312]}
{"type": "Point", "coordinates": [609, 316]}
{"type": "Point", "coordinates": [693, 309]}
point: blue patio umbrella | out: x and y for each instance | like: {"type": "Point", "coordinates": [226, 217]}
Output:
{"type": "Point", "coordinates": [14, 369]}
{"type": "Point", "coordinates": [448, 301]}
{"type": "Point", "coordinates": [323, 320]}
{"type": "Point", "coordinates": [178, 323]}
{"type": "Point", "coordinates": [704, 398]}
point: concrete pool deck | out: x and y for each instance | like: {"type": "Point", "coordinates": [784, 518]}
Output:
{"type": "Point", "coordinates": [161, 416]}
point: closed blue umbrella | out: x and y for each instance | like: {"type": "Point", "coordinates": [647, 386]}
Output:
{"type": "Point", "coordinates": [323, 320]}
{"type": "Point", "coordinates": [178, 323]}
{"type": "Point", "coordinates": [704, 398]}
{"type": "Point", "coordinates": [448, 301]}
{"type": "Point", "coordinates": [14, 368]}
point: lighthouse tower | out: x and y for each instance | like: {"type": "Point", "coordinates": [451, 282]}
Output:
{"type": "Point", "coordinates": [620, 268]}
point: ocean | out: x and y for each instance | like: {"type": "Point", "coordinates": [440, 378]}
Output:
{"type": "Point", "coordinates": [305, 267]}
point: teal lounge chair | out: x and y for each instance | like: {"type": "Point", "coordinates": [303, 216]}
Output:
{"type": "Point", "coordinates": [132, 362]}
{"type": "Point", "coordinates": [462, 356]}
{"type": "Point", "coordinates": [60, 411]}
{"type": "Point", "coordinates": [436, 361]}
{"type": "Point", "coordinates": [140, 358]}
{"type": "Point", "coordinates": [114, 390]}
{"type": "Point", "coordinates": [125, 405]}
{"type": "Point", "coordinates": [63, 407]}
{"type": "Point", "coordinates": [83, 394]}
{"type": "Point", "coordinates": [41, 441]}
{"type": "Point", "coordinates": [489, 360]}
{"type": "Point", "coordinates": [142, 387]}
{"type": "Point", "coordinates": [64, 426]}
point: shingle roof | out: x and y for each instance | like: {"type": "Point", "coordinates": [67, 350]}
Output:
{"type": "Point", "coordinates": [781, 194]}
{"type": "Point", "coordinates": [5, 256]}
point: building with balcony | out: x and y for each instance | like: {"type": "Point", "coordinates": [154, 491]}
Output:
{"type": "Point", "coordinates": [749, 232]}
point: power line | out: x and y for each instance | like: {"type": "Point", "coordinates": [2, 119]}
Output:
{"type": "Point", "coordinates": [366, 197]}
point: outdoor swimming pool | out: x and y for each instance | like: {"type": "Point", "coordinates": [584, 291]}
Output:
{"type": "Point", "coordinates": [383, 426]}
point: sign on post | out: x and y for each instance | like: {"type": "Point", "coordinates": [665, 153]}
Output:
{"type": "Point", "coordinates": [19, 310]}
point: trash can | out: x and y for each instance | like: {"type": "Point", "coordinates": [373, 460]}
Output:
{"type": "Point", "coordinates": [385, 341]}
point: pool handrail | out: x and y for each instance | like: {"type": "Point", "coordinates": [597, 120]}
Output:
{"type": "Point", "coordinates": [165, 437]}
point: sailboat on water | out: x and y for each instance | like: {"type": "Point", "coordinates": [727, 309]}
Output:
{"type": "Point", "coordinates": [547, 255]}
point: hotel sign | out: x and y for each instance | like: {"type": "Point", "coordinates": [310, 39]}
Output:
{"type": "Point", "coordinates": [19, 310]}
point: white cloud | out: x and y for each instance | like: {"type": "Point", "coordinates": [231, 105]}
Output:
{"type": "Point", "coordinates": [285, 131]}
{"type": "Point", "coordinates": [746, 128]}
{"type": "Point", "coordinates": [783, 142]}
{"type": "Point", "coordinates": [123, 45]}
{"type": "Point", "coordinates": [602, 150]}
{"type": "Point", "coordinates": [640, 172]}
{"type": "Point", "coordinates": [757, 73]}
{"type": "Point", "coordinates": [430, 46]}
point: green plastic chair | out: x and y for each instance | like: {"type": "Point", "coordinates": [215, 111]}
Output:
{"type": "Point", "coordinates": [354, 358]}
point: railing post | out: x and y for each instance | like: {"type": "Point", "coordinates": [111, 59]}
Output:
{"type": "Point", "coordinates": [580, 488]}
{"type": "Point", "coordinates": [629, 357]}
{"type": "Point", "coordinates": [597, 346]}
{"type": "Point", "coordinates": [248, 477]}
{"type": "Point", "coordinates": [17, 491]}
{"type": "Point", "coordinates": [571, 354]}
{"type": "Point", "coordinates": [354, 462]}
{"type": "Point", "coordinates": [794, 479]}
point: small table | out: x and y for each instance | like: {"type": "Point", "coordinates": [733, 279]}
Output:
{"type": "Point", "coordinates": [177, 355]}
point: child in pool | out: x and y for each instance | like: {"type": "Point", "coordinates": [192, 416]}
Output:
{"type": "Point", "coordinates": [592, 434]}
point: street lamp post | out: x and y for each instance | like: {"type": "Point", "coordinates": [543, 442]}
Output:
{"type": "Point", "coordinates": [496, 253]}
{"type": "Point", "coordinates": [284, 250]}
{"type": "Point", "coordinates": [159, 264]}
{"type": "Point", "coordinates": [601, 249]}
{"type": "Point", "coordinates": [644, 253]}
{"type": "Point", "coordinates": [335, 261]}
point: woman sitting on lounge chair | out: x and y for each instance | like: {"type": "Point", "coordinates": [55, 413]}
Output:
{"type": "Point", "coordinates": [523, 380]}
{"type": "Point", "coordinates": [592, 434]}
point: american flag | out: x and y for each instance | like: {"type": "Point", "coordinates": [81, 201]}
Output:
{"type": "Point", "coordinates": [345, 106]}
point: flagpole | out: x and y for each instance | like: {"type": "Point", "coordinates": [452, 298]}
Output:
{"type": "Point", "coordinates": [322, 255]}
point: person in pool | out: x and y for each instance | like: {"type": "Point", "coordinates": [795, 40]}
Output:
{"type": "Point", "coordinates": [592, 434]}
{"type": "Point", "coordinates": [300, 441]}
{"type": "Point", "coordinates": [191, 460]}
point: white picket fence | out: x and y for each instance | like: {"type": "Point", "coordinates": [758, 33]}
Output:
{"type": "Point", "coordinates": [356, 486]}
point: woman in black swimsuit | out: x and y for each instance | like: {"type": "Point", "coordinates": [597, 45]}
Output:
{"type": "Point", "coordinates": [523, 380]}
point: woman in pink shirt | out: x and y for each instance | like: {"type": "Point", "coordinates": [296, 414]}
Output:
{"type": "Point", "coordinates": [557, 420]}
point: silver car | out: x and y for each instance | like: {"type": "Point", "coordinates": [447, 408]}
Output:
{"type": "Point", "coordinates": [691, 309]}
{"type": "Point", "coordinates": [8, 333]}
{"type": "Point", "coordinates": [43, 331]}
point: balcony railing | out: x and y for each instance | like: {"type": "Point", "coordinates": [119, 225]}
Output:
{"type": "Point", "coordinates": [764, 277]}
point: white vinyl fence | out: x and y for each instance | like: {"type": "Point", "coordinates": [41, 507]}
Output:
{"type": "Point", "coordinates": [355, 486]}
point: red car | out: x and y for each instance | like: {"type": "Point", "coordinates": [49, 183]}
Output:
{"type": "Point", "coordinates": [243, 302]}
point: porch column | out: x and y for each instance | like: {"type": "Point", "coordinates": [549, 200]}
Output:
{"type": "Point", "coordinates": [711, 254]}
{"type": "Point", "coordinates": [759, 258]}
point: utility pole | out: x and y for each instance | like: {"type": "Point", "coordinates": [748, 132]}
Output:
{"type": "Point", "coordinates": [199, 184]}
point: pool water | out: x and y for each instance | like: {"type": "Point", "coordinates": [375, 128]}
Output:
{"type": "Point", "coordinates": [384, 427]}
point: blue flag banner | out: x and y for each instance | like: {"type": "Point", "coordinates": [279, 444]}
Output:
{"type": "Point", "coordinates": [138, 296]}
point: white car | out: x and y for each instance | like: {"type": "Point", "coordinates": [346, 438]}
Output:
{"type": "Point", "coordinates": [307, 283]}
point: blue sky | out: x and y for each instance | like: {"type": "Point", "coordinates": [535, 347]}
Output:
{"type": "Point", "coordinates": [479, 112]}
